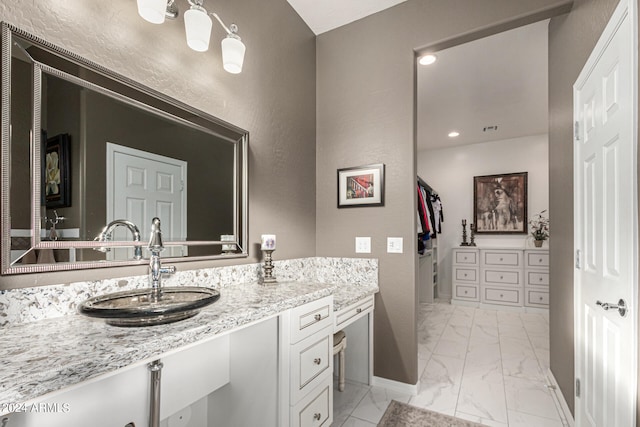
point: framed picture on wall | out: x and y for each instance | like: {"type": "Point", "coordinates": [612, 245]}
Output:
{"type": "Point", "coordinates": [361, 186]}
{"type": "Point", "coordinates": [56, 185]}
{"type": "Point", "coordinates": [500, 203]}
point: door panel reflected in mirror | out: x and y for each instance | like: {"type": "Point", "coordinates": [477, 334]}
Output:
{"type": "Point", "coordinates": [106, 148]}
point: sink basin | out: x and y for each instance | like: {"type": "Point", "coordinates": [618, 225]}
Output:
{"type": "Point", "coordinates": [138, 307]}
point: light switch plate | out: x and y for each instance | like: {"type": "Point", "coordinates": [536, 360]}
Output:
{"type": "Point", "coordinates": [394, 245]}
{"type": "Point", "coordinates": [363, 245]}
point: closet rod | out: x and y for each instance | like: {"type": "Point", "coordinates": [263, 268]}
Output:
{"type": "Point", "coordinates": [427, 186]}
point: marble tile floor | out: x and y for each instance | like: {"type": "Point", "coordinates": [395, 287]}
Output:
{"type": "Point", "coordinates": [482, 365]}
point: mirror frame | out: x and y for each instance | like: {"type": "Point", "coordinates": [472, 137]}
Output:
{"type": "Point", "coordinates": [240, 180]}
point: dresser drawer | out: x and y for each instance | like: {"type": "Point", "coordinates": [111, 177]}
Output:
{"type": "Point", "coordinates": [465, 257]}
{"type": "Point", "coordinates": [314, 410]}
{"type": "Point", "coordinates": [462, 274]}
{"type": "Point", "coordinates": [502, 258]}
{"type": "Point", "coordinates": [537, 259]}
{"type": "Point", "coordinates": [466, 292]}
{"type": "Point", "coordinates": [537, 278]}
{"type": "Point", "coordinates": [310, 318]}
{"type": "Point", "coordinates": [310, 359]}
{"type": "Point", "coordinates": [537, 298]}
{"type": "Point", "coordinates": [502, 296]}
{"type": "Point", "coordinates": [353, 312]}
{"type": "Point", "coordinates": [502, 277]}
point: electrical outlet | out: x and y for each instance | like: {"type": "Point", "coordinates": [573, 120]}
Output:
{"type": "Point", "coordinates": [394, 245]}
{"type": "Point", "coordinates": [363, 245]}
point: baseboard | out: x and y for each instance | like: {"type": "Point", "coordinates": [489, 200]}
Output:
{"type": "Point", "coordinates": [405, 388]}
{"type": "Point", "coordinates": [558, 399]}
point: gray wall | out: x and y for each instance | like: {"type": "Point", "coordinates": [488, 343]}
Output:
{"type": "Point", "coordinates": [273, 98]}
{"type": "Point", "coordinates": [571, 40]}
{"type": "Point", "coordinates": [365, 101]}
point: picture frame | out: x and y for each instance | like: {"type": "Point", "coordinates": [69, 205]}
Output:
{"type": "Point", "coordinates": [361, 186]}
{"type": "Point", "coordinates": [56, 171]}
{"type": "Point", "coordinates": [500, 203]}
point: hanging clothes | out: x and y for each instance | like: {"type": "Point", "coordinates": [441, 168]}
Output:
{"type": "Point", "coordinates": [430, 212]}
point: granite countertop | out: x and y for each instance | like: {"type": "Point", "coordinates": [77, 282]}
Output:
{"type": "Point", "coordinates": [40, 357]}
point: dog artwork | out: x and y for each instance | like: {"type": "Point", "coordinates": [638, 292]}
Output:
{"type": "Point", "coordinates": [500, 203]}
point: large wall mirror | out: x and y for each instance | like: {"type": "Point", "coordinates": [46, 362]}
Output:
{"type": "Point", "coordinates": [83, 147]}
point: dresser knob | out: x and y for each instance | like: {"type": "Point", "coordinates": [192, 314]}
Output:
{"type": "Point", "coordinates": [540, 279]}
{"type": "Point", "coordinates": [501, 277]}
{"type": "Point", "coordinates": [318, 317]}
{"type": "Point", "coordinates": [317, 361]}
{"type": "Point", "coordinates": [317, 416]}
{"type": "Point", "coordinates": [540, 298]}
{"type": "Point", "coordinates": [465, 274]}
{"type": "Point", "coordinates": [540, 260]}
{"type": "Point", "coordinates": [501, 296]}
{"type": "Point", "coordinates": [466, 292]}
{"type": "Point", "coordinates": [500, 259]}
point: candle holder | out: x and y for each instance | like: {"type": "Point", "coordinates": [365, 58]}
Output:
{"type": "Point", "coordinates": [464, 233]}
{"type": "Point", "coordinates": [473, 235]}
{"type": "Point", "coordinates": [268, 268]}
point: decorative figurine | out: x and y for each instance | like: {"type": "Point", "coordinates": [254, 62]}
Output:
{"type": "Point", "coordinates": [268, 246]}
{"type": "Point", "coordinates": [464, 233]}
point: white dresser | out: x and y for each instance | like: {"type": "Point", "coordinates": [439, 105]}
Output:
{"type": "Point", "coordinates": [501, 276]}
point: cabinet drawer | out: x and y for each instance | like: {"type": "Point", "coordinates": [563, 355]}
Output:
{"type": "Point", "coordinates": [502, 258]}
{"type": "Point", "coordinates": [536, 298]}
{"type": "Point", "coordinates": [537, 278]}
{"type": "Point", "coordinates": [465, 274]}
{"type": "Point", "coordinates": [354, 312]}
{"type": "Point", "coordinates": [310, 359]}
{"type": "Point", "coordinates": [502, 277]}
{"type": "Point", "coordinates": [315, 409]}
{"type": "Point", "coordinates": [537, 259]}
{"type": "Point", "coordinates": [501, 296]}
{"type": "Point", "coordinates": [310, 318]}
{"type": "Point", "coordinates": [467, 292]}
{"type": "Point", "coordinates": [465, 257]}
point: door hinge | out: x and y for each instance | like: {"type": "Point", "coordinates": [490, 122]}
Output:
{"type": "Point", "coordinates": [577, 387]}
{"type": "Point", "coordinates": [576, 130]}
{"type": "Point", "coordinates": [578, 258]}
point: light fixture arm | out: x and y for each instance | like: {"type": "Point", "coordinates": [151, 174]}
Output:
{"type": "Point", "coordinates": [232, 30]}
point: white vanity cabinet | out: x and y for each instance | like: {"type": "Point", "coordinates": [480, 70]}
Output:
{"type": "Point", "coordinates": [306, 391]}
{"type": "Point", "coordinates": [122, 398]}
{"type": "Point", "coordinates": [536, 276]}
{"type": "Point", "coordinates": [466, 274]}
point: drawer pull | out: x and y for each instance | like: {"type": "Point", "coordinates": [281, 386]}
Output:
{"type": "Point", "coordinates": [539, 259]}
{"type": "Point", "coordinates": [317, 361]}
{"type": "Point", "coordinates": [540, 298]}
{"type": "Point", "coordinates": [465, 274]}
{"type": "Point", "coordinates": [358, 310]}
{"type": "Point", "coordinates": [501, 277]}
{"type": "Point", "coordinates": [318, 317]}
{"type": "Point", "coordinates": [466, 292]}
{"type": "Point", "coordinates": [317, 416]}
{"type": "Point", "coordinates": [501, 296]}
{"type": "Point", "coordinates": [500, 259]}
{"type": "Point", "coordinates": [540, 279]}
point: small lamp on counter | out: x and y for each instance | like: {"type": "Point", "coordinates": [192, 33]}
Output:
{"type": "Point", "coordinates": [268, 245]}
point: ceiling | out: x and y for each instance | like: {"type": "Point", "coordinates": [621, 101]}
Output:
{"type": "Point", "coordinates": [324, 15]}
{"type": "Point", "coordinates": [499, 80]}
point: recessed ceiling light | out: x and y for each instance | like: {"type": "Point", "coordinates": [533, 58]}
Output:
{"type": "Point", "coordinates": [427, 59]}
{"type": "Point", "coordinates": [454, 134]}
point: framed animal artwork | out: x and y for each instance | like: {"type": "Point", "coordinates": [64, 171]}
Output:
{"type": "Point", "coordinates": [500, 203]}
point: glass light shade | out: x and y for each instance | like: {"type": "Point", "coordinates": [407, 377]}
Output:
{"type": "Point", "coordinates": [232, 54]}
{"type": "Point", "coordinates": [152, 10]}
{"type": "Point", "coordinates": [197, 25]}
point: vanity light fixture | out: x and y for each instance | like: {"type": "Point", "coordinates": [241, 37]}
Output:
{"type": "Point", "coordinates": [453, 134]}
{"type": "Point", "coordinates": [427, 59]}
{"type": "Point", "coordinates": [197, 25]}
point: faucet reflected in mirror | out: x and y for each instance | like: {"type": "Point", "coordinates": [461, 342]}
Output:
{"type": "Point", "coordinates": [106, 235]}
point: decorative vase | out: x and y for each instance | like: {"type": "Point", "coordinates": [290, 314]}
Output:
{"type": "Point", "coordinates": [538, 243]}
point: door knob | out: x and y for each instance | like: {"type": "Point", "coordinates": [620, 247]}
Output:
{"type": "Point", "coordinates": [621, 306]}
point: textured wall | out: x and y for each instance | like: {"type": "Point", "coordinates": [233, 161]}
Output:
{"type": "Point", "coordinates": [571, 40]}
{"type": "Point", "coordinates": [273, 98]}
{"type": "Point", "coordinates": [365, 98]}
{"type": "Point", "coordinates": [450, 172]}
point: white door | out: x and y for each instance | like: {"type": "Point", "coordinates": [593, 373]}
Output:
{"type": "Point", "coordinates": [142, 185]}
{"type": "Point", "coordinates": [605, 230]}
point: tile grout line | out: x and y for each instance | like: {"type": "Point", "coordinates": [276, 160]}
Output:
{"type": "Point", "coordinates": [464, 365]}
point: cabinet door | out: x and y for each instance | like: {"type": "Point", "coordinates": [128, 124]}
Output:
{"type": "Point", "coordinates": [114, 401]}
